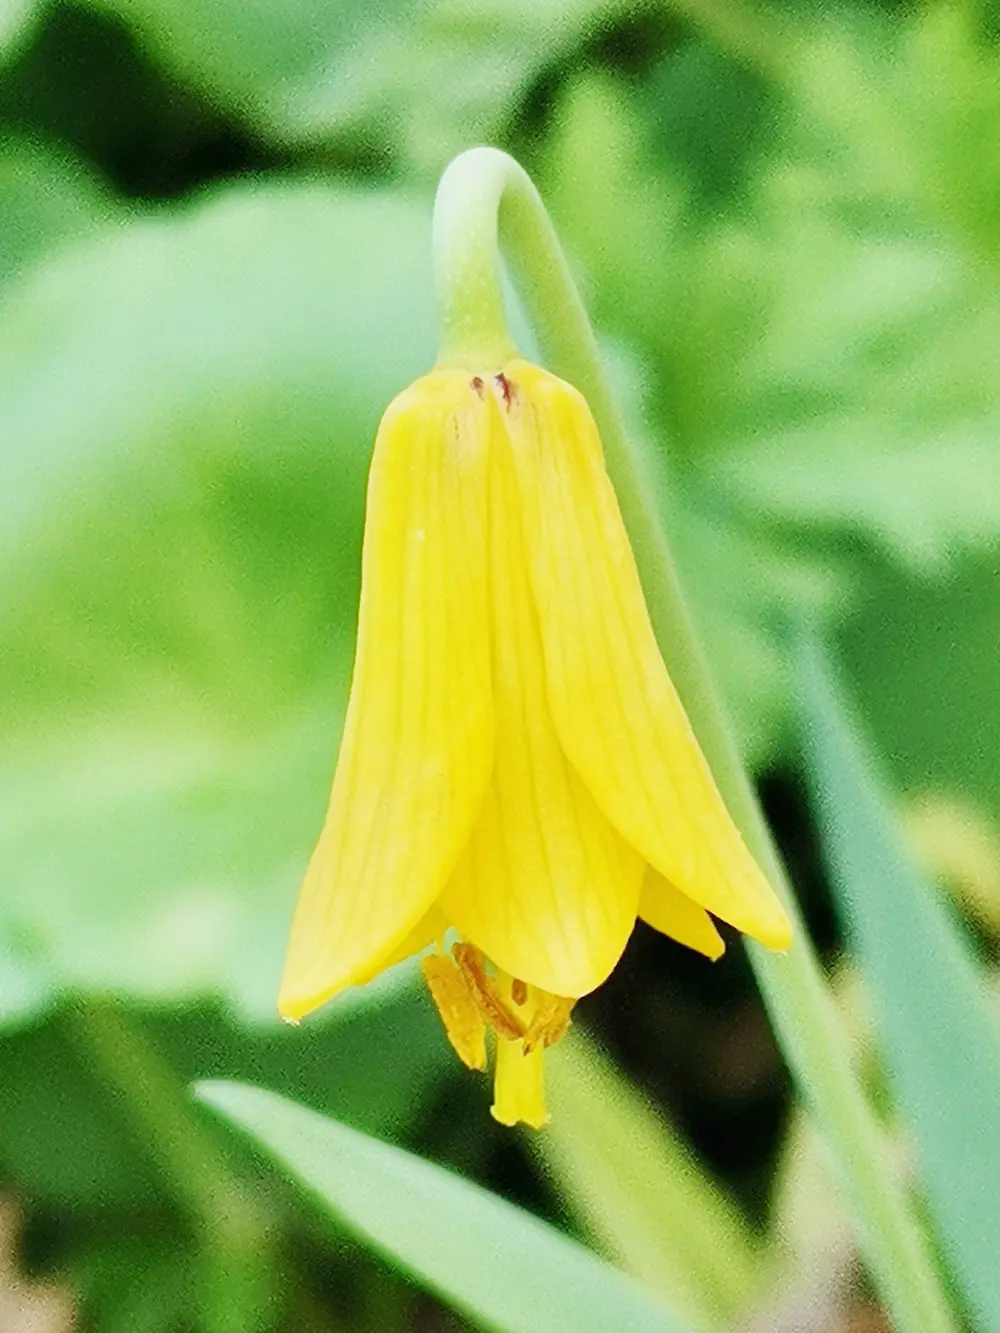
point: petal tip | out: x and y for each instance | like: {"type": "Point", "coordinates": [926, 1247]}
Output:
{"type": "Point", "coordinates": [776, 933]}
{"type": "Point", "coordinates": [294, 1002]}
{"type": "Point", "coordinates": [292, 1009]}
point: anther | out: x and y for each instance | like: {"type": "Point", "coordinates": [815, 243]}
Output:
{"type": "Point", "coordinates": [550, 1023]}
{"type": "Point", "coordinates": [460, 1014]}
{"type": "Point", "coordinates": [472, 965]}
{"type": "Point", "coordinates": [476, 384]}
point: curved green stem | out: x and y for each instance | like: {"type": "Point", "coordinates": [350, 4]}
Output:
{"type": "Point", "coordinates": [486, 198]}
{"type": "Point", "coordinates": [467, 260]}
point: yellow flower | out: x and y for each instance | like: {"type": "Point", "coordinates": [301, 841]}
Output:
{"type": "Point", "coordinates": [516, 766]}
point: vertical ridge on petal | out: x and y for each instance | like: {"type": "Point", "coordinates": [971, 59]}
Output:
{"type": "Point", "coordinates": [430, 929]}
{"type": "Point", "coordinates": [546, 887]}
{"type": "Point", "coordinates": [615, 708]}
{"type": "Point", "coordinates": [418, 736]}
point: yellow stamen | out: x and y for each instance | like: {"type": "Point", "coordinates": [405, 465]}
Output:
{"type": "Point", "coordinates": [457, 1006]}
{"type": "Point", "coordinates": [486, 991]}
{"type": "Point", "coordinates": [551, 1021]}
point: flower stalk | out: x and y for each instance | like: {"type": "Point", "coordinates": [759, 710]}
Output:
{"type": "Point", "coordinates": [486, 202]}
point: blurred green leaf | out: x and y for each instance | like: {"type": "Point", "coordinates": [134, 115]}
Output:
{"type": "Point", "coordinates": [906, 112]}
{"type": "Point", "coordinates": [16, 17]}
{"type": "Point", "coordinates": [251, 57]}
{"type": "Point", "coordinates": [745, 579]}
{"type": "Point", "coordinates": [811, 372]}
{"type": "Point", "coordinates": [245, 331]}
{"type": "Point", "coordinates": [641, 1192]}
{"type": "Point", "coordinates": [60, 1141]}
{"type": "Point", "coordinates": [955, 841]}
{"type": "Point", "coordinates": [917, 640]}
{"type": "Point", "coordinates": [821, 375]}
{"type": "Point", "coordinates": [926, 498]}
{"type": "Point", "coordinates": [44, 200]}
{"type": "Point", "coordinates": [180, 527]}
{"type": "Point", "coordinates": [363, 74]}
{"type": "Point", "coordinates": [941, 1038]}
{"type": "Point", "coordinates": [64, 1142]}
{"type": "Point", "coordinates": [135, 1283]}
{"type": "Point", "coordinates": [494, 1262]}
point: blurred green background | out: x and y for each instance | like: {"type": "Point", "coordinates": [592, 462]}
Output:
{"type": "Point", "coordinates": [214, 273]}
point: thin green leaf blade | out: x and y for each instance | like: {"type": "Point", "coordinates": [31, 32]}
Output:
{"type": "Point", "coordinates": [642, 1193]}
{"type": "Point", "coordinates": [489, 1259]}
{"type": "Point", "coordinates": [941, 1041]}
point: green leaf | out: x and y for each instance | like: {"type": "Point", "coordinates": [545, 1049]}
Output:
{"type": "Point", "coordinates": [827, 381]}
{"type": "Point", "coordinates": [45, 201]}
{"type": "Point", "coordinates": [135, 1283]}
{"type": "Point", "coordinates": [744, 579]}
{"type": "Point", "coordinates": [180, 530]}
{"type": "Point", "coordinates": [65, 1142]}
{"type": "Point", "coordinates": [905, 111]}
{"type": "Point", "coordinates": [917, 640]}
{"type": "Point", "coordinates": [248, 56]}
{"type": "Point", "coordinates": [926, 499]}
{"type": "Point", "coordinates": [491, 1260]}
{"type": "Point", "coordinates": [16, 19]}
{"type": "Point", "coordinates": [940, 1036]}
{"type": "Point", "coordinates": [642, 1193]}
{"type": "Point", "coordinates": [368, 74]}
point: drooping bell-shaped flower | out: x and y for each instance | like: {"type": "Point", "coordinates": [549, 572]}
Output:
{"type": "Point", "coordinates": [516, 768]}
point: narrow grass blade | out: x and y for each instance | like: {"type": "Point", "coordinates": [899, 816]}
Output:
{"type": "Point", "coordinates": [941, 1040]}
{"type": "Point", "coordinates": [642, 1194]}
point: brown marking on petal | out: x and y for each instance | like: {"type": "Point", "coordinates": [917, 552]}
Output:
{"type": "Point", "coordinates": [485, 991]}
{"type": "Point", "coordinates": [476, 384]}
{"type": "Point", "coordinates": [518, 991]}
{"type": "Point", "coordinates": [506, 389]}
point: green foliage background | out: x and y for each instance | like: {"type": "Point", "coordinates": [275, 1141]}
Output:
{"type": "Point", "coordinates": [214, 273]}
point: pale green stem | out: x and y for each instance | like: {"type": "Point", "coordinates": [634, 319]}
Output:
{"type": "Point", "coordinates": [486, 197]}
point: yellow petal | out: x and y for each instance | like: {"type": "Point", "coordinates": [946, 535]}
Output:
{"type": "Point", "coordinates": [615, 708]}
{"type": "Point", "coordinates": [431, 928]}
{"type": "Point", "coordinates": [519, 1090]}
{"type": "Point", "coordinates": [546, 888]}
{"type": "Point", "coordinates": [670, 912]}
{"type": "Point", "coordinates": [418, 737]}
